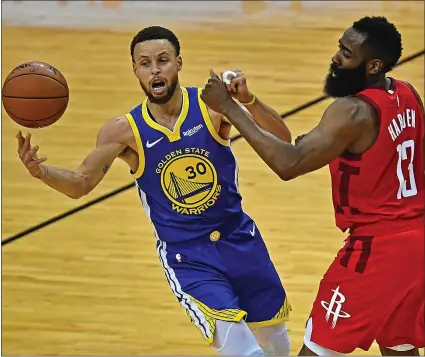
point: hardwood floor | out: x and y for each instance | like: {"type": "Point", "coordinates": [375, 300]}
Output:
{"type": "Point", "coordinates": [91, 284]}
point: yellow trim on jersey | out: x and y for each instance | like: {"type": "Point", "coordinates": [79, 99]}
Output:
{"type": "Point", "coordinates": [211, 315]}
{"type": "Point", "coordinates": [175, 134]}
{"type": "Point", "coordinates": [208, 121]}
{"type": "Point", "coordinates": [281, 316]}
{"type": "Point", "coordinates": [140, 151]}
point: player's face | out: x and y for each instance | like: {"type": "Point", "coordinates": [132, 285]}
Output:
{"type": "Point", "coordinates": [156, 66]}
{"type": "Point", "coordinates": [350, 72]}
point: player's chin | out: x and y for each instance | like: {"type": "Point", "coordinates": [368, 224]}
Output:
{"type": "Point", "coordinates": [160, 98]}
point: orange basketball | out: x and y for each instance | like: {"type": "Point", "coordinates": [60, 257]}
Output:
{"type": "Point", "coordinates": [35, 94]}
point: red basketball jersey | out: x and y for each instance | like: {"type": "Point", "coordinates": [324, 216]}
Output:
{"type": "Point", "coordinates": [385, 184]}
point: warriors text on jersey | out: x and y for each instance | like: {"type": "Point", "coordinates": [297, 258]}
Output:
{"type": "Point", "coordinates": [386, 182]}
{"type": "Point", "coordinates": [187, 178]}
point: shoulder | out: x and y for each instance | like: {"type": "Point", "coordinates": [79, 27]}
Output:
{"type": "Point", "coordinates": [348, 105]}
{"type": "Point", "coordinates": [414, 91]}
{"type": "Point", "coordinates": [351, 110]}
{"type": "Point", "coordinates": [116, 130]}
{"type": "Point", "coordinates": [348, 118]}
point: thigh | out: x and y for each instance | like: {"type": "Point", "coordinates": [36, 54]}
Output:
{"type": "Point", "coordinates": [358, 293]}
{"type": "Point", "coordinates": [405, 325]}
{"type": "Point", "coordinates": [254, 277]}
{"type": "Point", "coordinates": [200, 287]}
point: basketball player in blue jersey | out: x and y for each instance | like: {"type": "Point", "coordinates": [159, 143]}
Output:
{"type": "Point", "coordinates": [179, 153]}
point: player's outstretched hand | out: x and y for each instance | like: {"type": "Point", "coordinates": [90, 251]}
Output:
{"type": "Point", "coordinates": [28, 155]}
{"type": "Point", "coordinates": [215, 94]}
{"type": "Point", "coordinates": [236, 84]}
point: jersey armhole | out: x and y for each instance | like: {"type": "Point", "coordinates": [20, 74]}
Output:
{"type": "Point", "coordinates": [417, 96]}
{"type": "Point", "coordinates": [139, 144]}
{"type": "Point", "coordinates": [372, 103]}
{"type": "Point", "coordinates": [208, 121]}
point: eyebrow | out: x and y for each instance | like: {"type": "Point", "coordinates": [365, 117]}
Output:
{"type": "Point", "coordinates": [159, 54]}
{"type": "Point", "coordinates": [344, 47]}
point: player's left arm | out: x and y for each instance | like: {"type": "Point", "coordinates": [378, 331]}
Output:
{"type": "Point", "coordinates": [340, 126]}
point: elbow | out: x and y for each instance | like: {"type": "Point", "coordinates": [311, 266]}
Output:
{"type": "Point", "coordinates": [285, 176]}
{"type": "Point", "coordinates": [287, 173]}
{"type": "Point", "coordinates": [75, 195]}
{"type": "Point", "coordinates": [83, 188]}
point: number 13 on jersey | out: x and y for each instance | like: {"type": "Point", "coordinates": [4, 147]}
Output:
{"type": "Point", "coordinates": [406, 151]}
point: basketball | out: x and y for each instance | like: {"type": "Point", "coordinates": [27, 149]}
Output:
{"type": "Point", "coordinates": [35, 94]}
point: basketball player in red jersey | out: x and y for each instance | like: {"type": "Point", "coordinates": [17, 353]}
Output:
{"type": "Point", "coordinates": [372, 138]}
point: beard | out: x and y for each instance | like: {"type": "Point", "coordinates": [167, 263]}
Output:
{"type": "Point", "coordinates": [342, 82]}
{"type": "Point", "coordinates": [164, 97]}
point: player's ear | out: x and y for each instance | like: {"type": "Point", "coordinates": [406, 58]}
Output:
{"type": "Point", "coordinates": [374, 66]}
{"type": "Point", "coordinates": [179, 63]}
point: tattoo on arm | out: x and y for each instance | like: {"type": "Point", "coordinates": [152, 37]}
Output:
{"type": "Point", "coordinates": [106, 168]}
{"type": "Point", "coordinates": [46, 171]}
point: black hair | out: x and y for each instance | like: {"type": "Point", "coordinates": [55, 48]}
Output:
{"type": "Point", "coordinates": [155, 33]}
{"type": "Point", "coordinates": [383, 41]}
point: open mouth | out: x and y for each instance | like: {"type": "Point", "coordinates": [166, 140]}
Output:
{"type": "Point", "coordinates": [333, 69]}
{"type": "Point", "coordinates": [158, 86]}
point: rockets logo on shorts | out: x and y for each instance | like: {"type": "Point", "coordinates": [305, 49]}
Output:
{"type": "Point", "coordinates": [334, 307]}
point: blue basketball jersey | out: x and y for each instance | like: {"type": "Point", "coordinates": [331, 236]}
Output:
{"type": "Point", "coordinates": [187, 178]}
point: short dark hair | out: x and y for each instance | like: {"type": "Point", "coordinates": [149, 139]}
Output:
{"type": "Point", "coordinates": [155, 33]}
{"type": "Point", "coordinates": [383, 40]}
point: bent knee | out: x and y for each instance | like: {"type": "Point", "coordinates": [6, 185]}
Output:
{"type": "Point", "coordinates": [274, 339]}
{"type": "Point", "coordinates": [235, 338]}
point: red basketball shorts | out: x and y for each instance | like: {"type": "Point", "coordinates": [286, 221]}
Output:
{"type": "Point", "coordinates": [373, 290]}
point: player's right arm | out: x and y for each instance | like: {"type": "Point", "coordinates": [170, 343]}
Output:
{"type": "Point", "coordinates": [342, 125]}
{"type": "Point", "coordinates": [77, 183]}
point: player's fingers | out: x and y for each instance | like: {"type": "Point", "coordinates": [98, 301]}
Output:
{"type": "Point", "coordinates": [210, 82]}
{"type": "Point", "coordinates": [213, 75]}
{"type": "Point", "coordinates": [203, 93]}
{"type": "Point", "coordinates": [21, 142]}
{"type": "Point", "coordinates": [33, 151]}
{"type": "Point", "coordinates": [27, 142]}
{"type": "Point", "coordinates": [20, 139]}
{"type": "Point", "coordinates": [37, 162]}
{"type": "Point", "coordinates": [236, 72]}
{"type": "Point", "coordinates": [29, 156]}
{"type": "Point", "coordinates": [234, 84]}
{"type": "Point", "coordinates": [228, 76]}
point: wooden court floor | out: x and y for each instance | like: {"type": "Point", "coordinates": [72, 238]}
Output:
{"type": "Point", "coordinates": [91, 284]}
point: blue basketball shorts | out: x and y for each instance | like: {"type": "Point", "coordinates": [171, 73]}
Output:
{"type": "Point", "coordinates": [227, 276]}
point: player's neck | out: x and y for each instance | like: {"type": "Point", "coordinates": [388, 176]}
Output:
{"type": "Point", "coordinates": [169, 111]}
{"type": "Point", "coordinates": [381, 81]}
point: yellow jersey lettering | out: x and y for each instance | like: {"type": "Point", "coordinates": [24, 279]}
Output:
{"type": "Point", "coordinates": [189, 180]}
